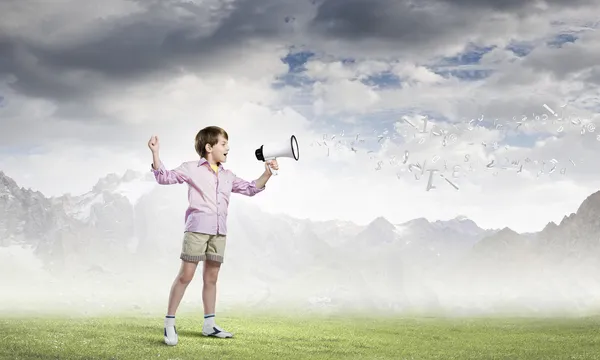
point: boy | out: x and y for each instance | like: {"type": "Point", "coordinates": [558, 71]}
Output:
{"type": "Point", "coordinates": [209, 188]}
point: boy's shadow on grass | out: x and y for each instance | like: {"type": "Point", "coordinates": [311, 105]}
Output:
{"type": "Point", "coordinates": [191, 333]}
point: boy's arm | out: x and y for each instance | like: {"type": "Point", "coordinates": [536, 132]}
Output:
{"type": "Point", "coordinates": [250, 188]}
{"type": "Point", "coordinates": [163, 176]}
{"type": "Point", "coordinates": [262, 180]}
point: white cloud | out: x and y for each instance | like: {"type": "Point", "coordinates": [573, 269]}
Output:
{"type": "Point", "coordinates": [417, 74]}
{"type": "Point", "coordinates": [344, 96]}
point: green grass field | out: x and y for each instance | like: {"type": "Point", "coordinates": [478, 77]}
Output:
{"type": "Point", "coordinates": [260, 336]}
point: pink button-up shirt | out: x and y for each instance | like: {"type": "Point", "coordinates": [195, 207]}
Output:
{"type": "Point", "coordinates": [208, 193]}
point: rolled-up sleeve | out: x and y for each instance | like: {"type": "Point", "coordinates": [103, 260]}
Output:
{"type": "Point", "coordinates": [163, 176]}
{"type": "Point", "coordinates": [244, 187]}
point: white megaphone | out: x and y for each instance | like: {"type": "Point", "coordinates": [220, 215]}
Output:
{"type": "Point", "coordinates": [287, 148]}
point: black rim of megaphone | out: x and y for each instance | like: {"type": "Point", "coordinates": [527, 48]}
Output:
{"type": "Point", "coordinates": [295, 152]}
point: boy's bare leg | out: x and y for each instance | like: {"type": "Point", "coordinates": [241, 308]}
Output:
{"type": "Point", "coordinates": [183, 279]}
{"type": "Point", "coordinates": [209, 290]}
{"type": "Point", "coordinates": [209, 298]}
{"type": "Point", "coordinates": [180, 284]}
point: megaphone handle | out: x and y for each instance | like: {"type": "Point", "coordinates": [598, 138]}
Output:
{"type": "Point", "coordinates": [273, 171]}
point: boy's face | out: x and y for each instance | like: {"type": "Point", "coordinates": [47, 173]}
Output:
{"type": "Point", "coordinates": [220, 149]}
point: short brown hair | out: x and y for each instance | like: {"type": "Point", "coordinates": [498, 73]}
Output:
{"type": "Point", "coordinates": [208, 135]}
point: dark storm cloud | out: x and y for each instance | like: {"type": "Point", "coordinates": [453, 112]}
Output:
{"type": "Point", "coordinates": [157, 41]}
{"type": "Point", "coordinates": [34, 78]}
{"type": "Point", "coordinates": [168, 35]}
{"type": "Point", "coordinates": [399, 21]}
{"type": "Point", "coordinates": [124, 51]}
{"type": "Point", "coordinates": [515, 5]}
{"type": "Point", "coordinates": [414, 23]}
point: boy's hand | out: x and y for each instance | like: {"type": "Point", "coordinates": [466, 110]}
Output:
{"type": "Point", "coordinates": [272, 164]}
{"type": "Point", "coordinates": [153, 144]}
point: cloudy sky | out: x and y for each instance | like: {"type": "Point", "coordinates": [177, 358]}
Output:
{"type": "Point", "coordinates": [84, 85]}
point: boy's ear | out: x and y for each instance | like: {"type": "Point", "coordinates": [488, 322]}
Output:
{"type": "Point", "coordinates": [208, 147]}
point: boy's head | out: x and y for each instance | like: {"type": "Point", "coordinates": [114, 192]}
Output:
{"type": "Point", "coordinates": [212, 144]}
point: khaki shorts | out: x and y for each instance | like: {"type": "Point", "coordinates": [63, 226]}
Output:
{"type": "Point", "coordinates": [199, 247]}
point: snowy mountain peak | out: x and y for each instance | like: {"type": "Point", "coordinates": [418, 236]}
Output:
{"type": "Point", "coordinates": [112, 180]}
{"type": "Point", "coordinates": [462, 218]}
{"type": "Point", "coordinates": [418, 223]}
{"type": "Point", "coordinates": [378, 231]}
{"type": "Point", "coordinates": [7, 184]}
{"type": "Point", "coordinates": [506, 232]}
{"type": "Point", "coordinates": [460, 224]}
{"type": "Point", "coordinates": [590, 208]}
{"type": "Point", "coordinates": [551, 226]}
{"type": "Point", "coordinates": [9, 189]}
{"type": "Point", "coordinates": [131, 175]}
{"type": "Point", "coordinates": [106, 183]}
{"type": "Point", "coordinates": [132, 186]}
{"type": "Point", "coordinates": [382, 224]}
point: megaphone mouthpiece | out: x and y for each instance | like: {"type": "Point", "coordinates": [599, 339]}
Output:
{"type": "Point", "coordinates": [259, 153]}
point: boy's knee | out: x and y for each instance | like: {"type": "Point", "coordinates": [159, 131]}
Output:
{"type": "Point", "coordinates": [210, 281]}
{"type": "Point", "coordinates": [185, 279]}
{"type": "Point", "coordinates": [211, 273]}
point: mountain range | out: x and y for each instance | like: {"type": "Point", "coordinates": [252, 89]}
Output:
{"type": "Point", "coordinates": [128, 229]}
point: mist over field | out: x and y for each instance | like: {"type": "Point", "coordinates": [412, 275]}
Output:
{"type": "Point", "coordinates": [116, 248]}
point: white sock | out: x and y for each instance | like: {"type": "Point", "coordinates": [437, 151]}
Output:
{"type": "Point", "coordinates": [171, 337]}
{"type": "Point", "coordinates": [169, 320]}
{"type": "Point", "coordinates": [209, 320]}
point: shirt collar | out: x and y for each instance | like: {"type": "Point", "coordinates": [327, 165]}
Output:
{"type": "Point", "coordinates": [203, 161]}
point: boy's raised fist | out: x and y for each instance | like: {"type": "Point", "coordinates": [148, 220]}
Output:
{"type": "Point", "coordinates": [153, 143]}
